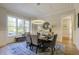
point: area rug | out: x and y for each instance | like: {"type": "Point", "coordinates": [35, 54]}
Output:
{"type": "Point", "coordinates": [20, 49]}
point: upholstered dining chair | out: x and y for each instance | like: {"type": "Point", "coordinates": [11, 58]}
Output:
{"type": "Point", "coordinates": [35, 42]}
{"type": "Point", "coordinates": [28, 41]}
{"type": "Point", "coordinates": [53, 43]}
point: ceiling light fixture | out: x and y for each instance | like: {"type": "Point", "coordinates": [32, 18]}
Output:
{"type": "Point", "coordinates": [38, 21]}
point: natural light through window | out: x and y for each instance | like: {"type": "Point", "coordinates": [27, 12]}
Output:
{"type": "Point", "coordinates": [20, 26]}
{"type": "Point", "coordinates": [27, 26]}
{"type": "Point", "coordinates": [17, 26]}
{"type": "Point", "coordinates": [11, 26]}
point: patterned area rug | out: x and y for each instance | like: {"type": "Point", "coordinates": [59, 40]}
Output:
{"type": "Point", "coordinates": [20, 49]}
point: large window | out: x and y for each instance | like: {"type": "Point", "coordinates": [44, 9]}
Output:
{"type": "Point", "coordinates": [17, 26]}
{"type": "Point", "coordinates": [11, 26]}
{"type": "Point", "coordinates": [20, 26]}
{"type": "Point", "coordinates": [27, 26]}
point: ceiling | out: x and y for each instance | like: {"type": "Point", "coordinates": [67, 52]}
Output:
{"type": "Point", "coordinates": [44, 10]}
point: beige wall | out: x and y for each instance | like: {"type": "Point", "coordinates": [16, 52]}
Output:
{"type": "Point", "coordinates": [3, 25]}
{"type": "Point", "coordinates": [4, 39]}
{"type": "Point", "coordinates": [57, 21]}
{"type": "Point", "coordinates": [77, 29]}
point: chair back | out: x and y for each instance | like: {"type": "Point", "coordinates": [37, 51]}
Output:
{"type": "Point", "coordinates": [38, 35]}
{"type": "Point", "coordinates": [54, 40]}
{"type": "Point", "coordinates": [34, 39]}
{"type": "Point", "coordinates": [28, 38]}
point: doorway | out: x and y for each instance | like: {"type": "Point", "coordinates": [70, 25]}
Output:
{"type": "Point", "coordinates": [67, 29]}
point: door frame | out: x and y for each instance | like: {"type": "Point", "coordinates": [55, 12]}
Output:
{"type": "Point", "coordinates": [72, 18]}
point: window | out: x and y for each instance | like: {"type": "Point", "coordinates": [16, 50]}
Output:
{"type": "Point", "coordinates": [11, 26]}
{"type": "Point", "coordinates": [17, 26]}
{"type": "Point", "coordinates": [20, 26]}
{"type": "Point", "coordinates": [27, 26]}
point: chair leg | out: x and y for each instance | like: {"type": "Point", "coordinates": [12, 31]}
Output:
{"type": "Point", "coordinates": [36, 50]}
{"type": "Point", "coordinates": [27, 46]}
{"type": "Point", "coordinates": [54, 49]}
{"type": "Point", "coordinates": [52, 52]}
{"type": "Point", "coordinates": [31, 47]}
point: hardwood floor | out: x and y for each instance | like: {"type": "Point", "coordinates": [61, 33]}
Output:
{"type": "Point", "coordinates": [70, 48]}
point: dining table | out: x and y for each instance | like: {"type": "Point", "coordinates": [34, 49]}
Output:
{"type": "Point", "coordinates": [46, 38]}
{"type": "Point", "coordinates": [45, 41]}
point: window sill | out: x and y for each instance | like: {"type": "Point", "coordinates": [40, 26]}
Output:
{"type": "Point", "coordinates": [11, 36]}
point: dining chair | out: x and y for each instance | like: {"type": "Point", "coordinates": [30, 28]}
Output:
{"type": "Point", "coordinates": [35, 42]}
{"type": "Point", "coordinates": [28, 41]}
{"type": "Point", "coordinates": [53, 43]}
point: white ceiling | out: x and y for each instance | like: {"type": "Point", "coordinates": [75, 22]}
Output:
{"type": "Point", "coordinates": [45, 10]}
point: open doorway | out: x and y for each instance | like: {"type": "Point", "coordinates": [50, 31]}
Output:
{"type": "Point", "coordinates": [67, 29]}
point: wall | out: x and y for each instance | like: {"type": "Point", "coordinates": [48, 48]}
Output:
{"type": "Point", "coordinates": [76, 29]}
{"type": "Point", "coordinates": [4, 39]}
{"type": "Point", "coordinates": [3, 25]}
{"type": "Point", "coordinates": [57, 21]}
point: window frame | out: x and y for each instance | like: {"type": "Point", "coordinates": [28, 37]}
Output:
{"type": "Point", "coordinates": [16, 27]}
{"type": "Point", "coordinates": [26, 26]}
{"type": "Point", "coordinates": [11, 26]}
